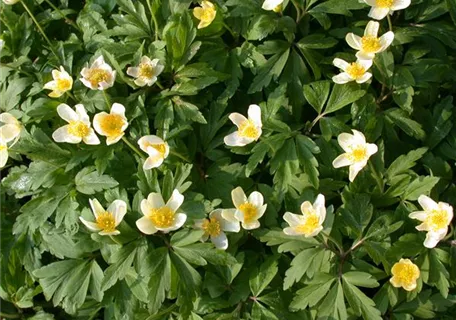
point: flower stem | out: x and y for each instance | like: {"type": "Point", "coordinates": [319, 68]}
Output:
{"type": "Point", "coordinates": [159, 85]}
{"type": "Point", "coordinates": [71, 96]}
{"type": "Point", "coordinates": [390, 24]}
{"type": "Point", "coordinates": [177, 154]}
{"type": "Point", "coordinates": [113, 239]}
{"type": "Point", "coordinates": [229, 30]}
{"type": "Point", "coordinates": [154, 19]}
{"type": "Point", "coordinates": [71, 22]}
{"type": "Point", "coordinates": [108, 103]}
{"type": "Point", "coordinates": [40, 29]}
{"type": "Point", "coordinates": [132, 147]}
{"type": "Point", "coordinates": [327, 236]}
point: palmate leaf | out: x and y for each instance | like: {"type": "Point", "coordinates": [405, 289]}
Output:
{"type": "Point", "coordinates": [260, 278]}
{"type": "Point", "coordinates": [67, 282]}
{"type": "Point", "coordinates": [361, 304]}
{"type": "Point", "coordinates": [89, 181]}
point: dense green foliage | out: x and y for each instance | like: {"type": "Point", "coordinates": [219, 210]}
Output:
{"type": "Point", "coordinates": [53, 267]}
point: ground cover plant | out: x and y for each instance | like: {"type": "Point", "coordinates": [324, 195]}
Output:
{"type": "Point", "coordinates": [239, 159]}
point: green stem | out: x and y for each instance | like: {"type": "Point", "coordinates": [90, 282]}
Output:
{"type": "Point", "coordinates": [160, 314]}
{"type": "Point", "coordinates": [377, 177]}
{"type": "Point", "coordinates": [314, 122]}
{"type": "Point", "coordinates": [114, 239]}
{"type": "Point", "coordinates": [298, 11]}
{"type": "Point", "coordinates": [327, 236]}
{"type": "Point", "coordinates": [159, 85]}
{"type": "Point", "coordinates": [71, 95]}
{"type": "Point", "coordinates": [229, 30]}
{"type": "Point", "coordinates": [40, 29]}
{"type": "Point", "coordinates": [132, 147]}
{"type": "Point", "coordinates": [10, 316]}
{"type": "Point", "coordinates": [71, 22]}
{"type": "Point", "coordinates": [177, 154]}
{"type": "Point", "coordinates": [154, 19]}
{"type": "Point", "coordinates": [107, 99]}
{"type": "Point", "coordinates": [390, 24]}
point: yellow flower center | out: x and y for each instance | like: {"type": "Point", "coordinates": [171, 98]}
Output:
{"type": "Point", "coordinates": [98, 75]}
{"type": "Point", "coordinates": [63, 84]}
{"type": "Point", "coordinates": [278, 8]}
{"type": "Point", "coordinates": [78, 129]}
{"type": "Point", "coordinates": [212, 227]}
{"type": "Point", "coordinates": [437, 219]}
{"type": "Point", "coordinates": [146, 71]}
{"type": "Point", "coordinates": [406, 273]}
{"type": "Point", "coordinates": [370, 44]}
{"type": "Point", "coordinates": [162, 217]}
{"type": "Point", "coordinates": [384, 3]}
{"type": "Point", "coordinates": [161, 147]}
{"type": "Point", "coordinates": [111, 124]}
{"type": "Point", "coordinates": [106, 222]}
{"type": "Point", "coordinates": [355, 70]}
{"type": "Point", "coordinates": [309, 226]}
{"type": "Point", "coordinates": [249, 211]}
{"type": "Point", "coordinates": [358, 154]}
{"type": "Point", "coordinates": [247, 129]}
{"type": "Point", "coordinates": [3, 147]}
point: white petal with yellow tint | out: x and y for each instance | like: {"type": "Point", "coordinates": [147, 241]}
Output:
{"type": "Point", "coordinates": [91, 138]}
{"type": "Point", "coordinates": [256, 199]}
{"type": "Point", "coordinates": [419, 215]}
{"type": "Point", "coordinates": [271, 4]}
{"type": "Point", "coordinates": [292, 219]}
{"type": "Point", "coordinates": [378, 13]}
{"type": "Point", "coordinates": [221, 241]}
{"type": "Point", "coordinates": [154, 159]}
{"type": "Point", "coordinates": [353, 41]}
{"type": "Point", "coordinates": [251, 225]}
{"type": "Point", "coordinates": [364, 78]}
{"type": "Point", "coordinates": [175, 201]}
{"type": "Point", "coordinates": [234, 140]}
{"type": "Point", "coordinates": [342, 161]}
{"type": "Point", "coordinates": [62, 135]}
{"type": "Point", "coordinates": [400, 4]}
{"type": "Point", "coordinates": [92, 226]}
{"type": "Point", "coordinates": [118, 208]}
{"type": "Point", "coordinates": [341, 64]}
{"type": "Point", "coordinates": [237, 118]}
{"type": "Point", "coordinates": [254, 113]}
{"type": "Point", "coordinates": [238, 197]}
{"type": "Point", "coordinates": [386, 40]}
{"type": "Point", "coordinates": [354, 169]}
{"type": "Point", "coordinates": [67, 113]}
{"type": "Point", "coordinates": [155, 200]}
{"type": "Point", "coordinates": [146, 226]}
{"type": "Point", "coordinates": [342, 78]}
{"type": "Point", "coordinates": [372, 29]}
{"type": "Point", "coordinates": [427, 203]}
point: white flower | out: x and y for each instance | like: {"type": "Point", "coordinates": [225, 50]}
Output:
{"type": "Point", "coordinates": [369, 44]}
{"type": "Point", "coordinates": [2, 44]}
{"type": "Point", "coordinates": [10, 2]}
{"type": "Point", "coordinates": [78, 128]}
{"type": "Point", "coordinates": [310, 222]}
{"type": "Point", "coordinates": [381, 8]}
{"type": "Point", "coordinates": [99, 76]}
{"type": "Point", "coordinates": [272, 5]}
{"type": "Point", "coordinates": [156, 148]}
{"type": "Point", "coordinates": [352, 71]}
{"type": "Point", "coordinates": [11, 128]}
{"type": "Point", "coordinates": [215, 226]}
{"type": "Point", "coordinates": [159, 216]}
{"type": "Point", "coordinates": [111, 125]}
{"type": "Point", "coordinates": [357, 152]}
{"type": "Point", "coordinates": [146, 72]}
{"type": "Point", "coordinates": [62, 83]}
{"type": "Point", "coordinates": [435, 218]}
{"type": "Point", "coordinates": [248, 210]}
{"type": "Point", "coordinates": [106, 221]}
{"type": "Point", "coordinates": [249, 130]}
{"type": "Point", "coordinates": [3, 151]}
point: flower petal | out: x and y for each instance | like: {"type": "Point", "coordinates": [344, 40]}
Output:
{"type": "Point", "coordinates": [118, 208]}
{"type": "Point", "coordinates": [400, 4]}
{"type": "Point", "coordinates": [155, 200]}
{"type": "Point", "coordinates": [292, 219]}
{"type": "Point", "coordinates": [118, 108]}
{"type": "Point", "coordinates": [91, 138]}
{"type": "Point", "coordinates": [419, 215]}
{"type": "Point", "coordinates": [342, 78]}
{"type": "Point", "coordinates": [220, 242]}
{"type": "Point", "coordinates": [3, 157]}
{"type": "Point", "coordinates": [371, 149]}
{"type": "Point", "coordinates": [256, 199]}
{"type": "Point", "coordinates": [146, 226]}
{"type": "Point", "coordinates": [353, 41]}
{"type": "Point", "coordinates": [365, 77]}
{"type": "Point", "coordinates": [62, 135]}
{"type": "Point", "coordinates": [254, 113]}
{"type": "Point", "coordinates": [92, 226]}
{"type": "Point", "coordinates": [386, 40]}
{"type": "Point", "coordinates": [427, 203]}
{"type": "Point", "coordinates": [238, 196]}
{"type": "Point", "coordinates": [153, 162]}
{"type": "Point", "coordinates": [175, 201]}
{"type": "Point", "coordinates": [252, 225]}
{"type": "Point", "coordinates": [372, 29]}
{"type": "Point", "coordinates": [341, 64]}
{"type": "Point", "coordinates": [342, 161]}
{"type": "Point", "coordinates": [234, 140]}
{"type": "Point", "coordinates": [133, 71]}
{"type": "Point", "coordinates": [362, 55]}
{"type": "Point", "coordinates": [66, 113]}
{"type": "Point", "coordinates": [378, 13]}
{"type": "Point", "coordinates": [237, 118]}
{"type": "Point", "coordinates": [432, 239]}
{"type": "Point", "coordinates": [354, 169]}
{"type": "Point", "coordinates": [97, 208]}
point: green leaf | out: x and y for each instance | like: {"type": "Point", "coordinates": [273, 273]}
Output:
{"type": "Point", "coordinates": [304, 263]}
{"type": "Point", "coordinates": [313, 293]}
{"type": "Point", "coordinates": [361, 279]}
{"type": "Point", "coordinates": [160, 278]}
{"type": "Point", "coordinates": [419, 186]}
{"type": "Point", "coordinates": [306, 148]}
{"type": "Point", "coordinates": [316, 94]}
{"type": "Point", "coordinates": [284, 165]}
{"type": "Point", "coordinates": [260, 278]}
{"type": "Point", "coordinates": [270, 70]}
{"type": "Point", "coordinates": [333, 306]}
{"type": "Point", "coordinates": [361, 304]}
{"type": "Point", "coordinates": [438, 274]}
{"type": "Point", "coordinates": [342, 95]}
{"type": "Point", "coordinates": [403, 121]}
{"type": "Point", "coordinates": [404, 162]}
{"type": "Point", "coordinates": [89, 181]}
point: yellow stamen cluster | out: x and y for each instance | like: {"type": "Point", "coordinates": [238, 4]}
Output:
{"type": "Point", "coordinates": [212, 227]}
{"type": "Point", "coordinates": [146, 70]}
{"type": "Point", "coordinates": [63, 84]}
{"type": "Point", "coordinates": [98, 75]}
{"type": "Point", "coordinates": [358, 154]}
{"type": "Point", "coordinates": [162, 217]}
{"type": "Point", "coordinates": [249, 211]}
{"type": "Point", "coordinates": [247, 129]}
{"type": "Point", "coordinates": [384, 3]}
{"type": "Point", "coordinates": [159, 147]}
{"type": "Point", "coordinates": [437, 219]}
{"type": "Point", "coordinates": [106, 222]}
{"type": "Point", "coordinates": [356, 70]}
{"type": "Point", "coordinates": [111, 124]}
{"type": "Point", "coordinates": [78, 129]}
{"type": "Point", "coordinates": [309, 225]}
{"type": "Point", "coordinates": [370, 44]}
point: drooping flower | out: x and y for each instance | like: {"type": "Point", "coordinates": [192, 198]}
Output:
{"type": "Point", "coordinates": [61, 83]}
{"type": "Point", "coordinates": [11, 128]}
{"type": "Point", "coordinates": [310, 222]}
{"type": "Point", "coordinates": [369, 44]}
{"type": "Point", "coordinates": [205, 14]}
{"type": "Point", "coordinates": [146, 72]}
{"type": "Point", "coordinates": [381, 8]}
{"type": "Point", "coordinates": [156, 148]}
{"type": "Point", "coordinates": [357, 152]}
{"type": "Point", "coordinates": [355, 71]}
{"type": "Point", "coordinates": [249, 130]}
{"type": "Point", "coordinates": [159, 216]}
{"type": "Point", "coordinates": [3, 151]}
{"type": "Point", "coordinates": [99, 76]}
{"type": "Point", "coordinates": [78, 128]}
{"type": "Point", "coordinates": [435, 219]}
{"type": "Point", "coordinates": [215, 226]}
{"type": "Point", "coordinates": [272, 5]}
{"type": "Point", "coordinates": [106, 221]}
{"type": "Point", "coordinates": [405, 273]}
{"type": "Point", "coordinates": [111, 125]}
{"type": "Point", "coordinates": [248, 210]}
{"type": "Point", "coordinates": [10, 2]}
